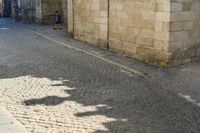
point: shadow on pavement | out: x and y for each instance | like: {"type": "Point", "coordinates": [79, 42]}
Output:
{"type": "Point", "coordinates": [136, 104]}
{"type": "Point", "coordinates": [49, 101]}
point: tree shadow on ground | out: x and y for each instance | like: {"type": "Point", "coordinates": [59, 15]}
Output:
{"type": "Point", "coordinates": [137, 105]}
{"type": "Point", "coordinates": [49, 101]}
{"type": "Point", "coordinates": [150, 108]}
{"type": "Point", "coordinates": [156, 110]}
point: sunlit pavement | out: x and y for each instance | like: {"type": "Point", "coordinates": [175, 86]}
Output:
{"type": "Point", "coordinates": [51, 88]}
{"type": "Point", "coordinates": [8, 124]}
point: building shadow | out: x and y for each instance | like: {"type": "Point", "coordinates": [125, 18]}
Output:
{"type": "Point", "coordinates": [137, 105]}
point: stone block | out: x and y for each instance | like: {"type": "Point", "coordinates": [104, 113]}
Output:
{"type": "Point", "coordinates": [162, 36]}
{"type": "Point", "coordinates": [177, 26]}
{"type": "Point", "coordinates": [188, 26]}
{"type": "Point", "coordinates": [148, 16]}
{"type": "Point", "coordinates": [198, 51]}
{"type": "Point", "coordinates": [158, 45]}
{"type": "Point", "coordinates": [181, 16]}
{"type": "Point", "coordinates": [129, 48]}
{"type": "Point", "coordinates": [163, 16]}
{"type": "Point", "coordinates": [176, 45]}
{"type": "Point", "coordinates": [166, 26]}
{"type": "Point", "coordinates": [176, 7]}
{"type": "Point", "coordinates": [144, 41]}
{"type": "Point", "coordinates": [152, 56]}
{"type": "Point", "coordinates": [147, 33]}
{"type": "Point", "coordinates": [195, 6]}
{"type": "Point", "coordinates": [186, 6]}
{"type": "Point", "coordinates": [179, 36]}
{"type": "Point", "coordinates": [116, 45]}
{"type": "Point", "coordinates": [189, 53]}
{"type": "Point", "coordinates": [158, 26]}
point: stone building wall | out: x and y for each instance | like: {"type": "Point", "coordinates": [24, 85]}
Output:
{"type": "Point", "coordinates": [184, 43]}
{"type": "Point", "coordinates": [124, 26]}
{"type": "Point", "coordinates": [162, 32]}
{"type": "Point", "coordinates": [64, 12]}
{"type": "Point", "coordinates": [133, 28]}
{"type": "Point", "coordinates": [70, 17]}
{"type": "Point", "coordinates": [130, 25]}
{"type": "Point", "coordinates": [91, 21]}
{"type": "Point", "coordinates": [160, 53]}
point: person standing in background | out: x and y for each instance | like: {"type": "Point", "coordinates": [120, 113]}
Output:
{"type": "Point", "coordinates": [58, 20]}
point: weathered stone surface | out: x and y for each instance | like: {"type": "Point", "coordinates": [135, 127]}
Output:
{"type": "Point", "coordinates": [184, 31]}
{"type": "Point", "coordinates": [198, 52]}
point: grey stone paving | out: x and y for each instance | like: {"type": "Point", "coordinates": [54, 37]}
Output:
{"type": "Point", "coordinates": [49, 88]}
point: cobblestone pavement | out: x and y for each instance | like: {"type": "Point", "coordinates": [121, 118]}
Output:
{"type": "Point", "coordinates": [52, 89]}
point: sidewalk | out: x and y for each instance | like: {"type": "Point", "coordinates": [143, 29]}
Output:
{"type": "Point", "coordinates": [8, 124]}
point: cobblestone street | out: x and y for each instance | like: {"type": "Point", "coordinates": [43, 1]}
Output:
{"type": "Point", "coordinates": [50, 88]}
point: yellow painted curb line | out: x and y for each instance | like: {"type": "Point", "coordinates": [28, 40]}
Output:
{"type": "Point", "coordinates": [127, 69]}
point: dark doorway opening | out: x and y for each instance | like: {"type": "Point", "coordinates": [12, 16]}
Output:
{"type": "Point", "coordinates": [5, 8]}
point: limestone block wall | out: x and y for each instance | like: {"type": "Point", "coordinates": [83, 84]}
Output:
{"type": "Point", "coordinates": [160, 53]}
{"type": "Point", "coordinates": [184, 43]}
{"type": "Point", "coordinates": [124, 26]}
{"type": "Point", "coordinates": [162, 32]}
{"type": "Point", "coordinates": [64, 12]}
{"type": "Point", "coordinates": [140, 29]}
{"type": "Point", "coordinates": [70, 17]}
{"type": "Point", "coordinates": [131, 25]}
{"type": "Point", "coordinates": [91, 21]}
